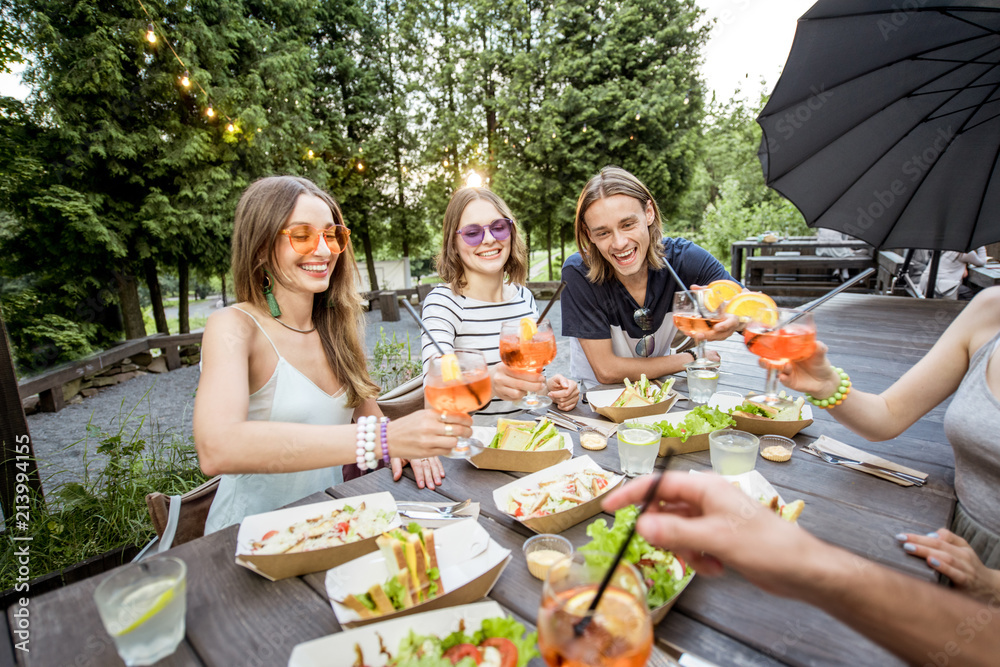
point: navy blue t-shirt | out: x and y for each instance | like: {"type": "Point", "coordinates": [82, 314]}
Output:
{"type": "Point", "coordinates": [605, 310]}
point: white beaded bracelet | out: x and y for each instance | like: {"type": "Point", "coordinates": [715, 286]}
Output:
{"type": "Point", "coordinates": [365, 451]}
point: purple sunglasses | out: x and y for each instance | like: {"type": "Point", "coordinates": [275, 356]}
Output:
{"type": "Point", "coordinates": [473, 235]}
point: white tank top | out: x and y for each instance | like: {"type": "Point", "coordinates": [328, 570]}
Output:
{"type": "Point", "coordinates": [287, 396]}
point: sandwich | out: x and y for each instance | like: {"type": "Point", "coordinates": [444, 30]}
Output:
{"type": "Point", "coordinates": [557, 494]}
{"type": "Point", "coordinates": [756, 410]}
{"type": "Point", "coordinates": [642, 393]}
{"type": "Point", "coordinates": [414, 577]}
{"type": "Point", "coordinates": [330, 529]}
{"type": "Point", "coordinates": [526, 436]}
{"type": "Point", "coordinates": [789, 512]}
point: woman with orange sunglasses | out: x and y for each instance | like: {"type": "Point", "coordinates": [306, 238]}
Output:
{"type": "Point", "coordinates": [283, 371]}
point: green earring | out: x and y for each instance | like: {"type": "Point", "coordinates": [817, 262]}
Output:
{"type": "Point", "coordinates": [272, 303]}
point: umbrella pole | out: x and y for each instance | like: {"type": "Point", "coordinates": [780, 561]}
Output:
{"type": "Point", "coordinates": [932, 277]}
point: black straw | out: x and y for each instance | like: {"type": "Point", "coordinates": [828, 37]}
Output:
{"type": "Point", "coordinates": [555, 297]}
{"type": "Point", "coordinates": [422, 326]}
{"type": "Point", "coordinates": [680, 283]}
{"type": "Point", "coordinates": [580, 626]}
{"type": "Point", "coordinates": [829, 295]}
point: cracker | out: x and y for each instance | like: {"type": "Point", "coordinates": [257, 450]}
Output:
{"type": "Point", "coordinates": [593, 441]}
{"type": "Point", "coordinates": [776, 453]}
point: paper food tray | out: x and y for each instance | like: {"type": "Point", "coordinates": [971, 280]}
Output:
{"type": "Point", "coordinates": [600, 401]}
{"type": "Point", "coordinates": [470, 562]}
{"type": "Point", "coordinates": [514, 461]}
{"type": "Point", "coordinates": [696, 443]}
{"type": "Point", "coordinates": [440, 622]}
{"type": "Point", "coordinates": [282, 566]}
{"type": "Point", "coordinates": [753, 484]}
{"type": "Point", "coordinates": [763, 425]}
{"type": "Point", "coordinates": [556, 523]}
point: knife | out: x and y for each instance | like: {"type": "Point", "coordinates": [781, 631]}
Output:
{"type": "Point", "coordinates": [432, 516]}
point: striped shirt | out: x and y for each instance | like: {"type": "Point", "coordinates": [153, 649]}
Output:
{"type": "Point", "coordinates": [458, 322]}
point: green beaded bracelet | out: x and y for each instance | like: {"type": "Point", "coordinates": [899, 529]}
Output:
{"type": "Point", "coordinates": [838, 396]}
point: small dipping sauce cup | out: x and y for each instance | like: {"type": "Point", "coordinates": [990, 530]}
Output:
{"type": "Point", "coordinates": [544, 551]}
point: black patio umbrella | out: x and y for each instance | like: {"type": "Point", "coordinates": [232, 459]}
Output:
{"type": "Point", "coordinates": [885, 123]}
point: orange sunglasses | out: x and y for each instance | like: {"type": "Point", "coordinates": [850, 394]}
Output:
{"type": "Point", "coordinates": [305, 238]}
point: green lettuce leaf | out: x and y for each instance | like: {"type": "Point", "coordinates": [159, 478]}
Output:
{"type": "Point", "coordinates": [661, 584]}
{"type": "Point", "coordinates": [703, 419]}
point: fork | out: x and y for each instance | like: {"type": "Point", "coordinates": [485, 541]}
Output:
{"type": "Point", "coordinates": [843, 460]}
{"type": "Point", "coordinates": [445, 511]}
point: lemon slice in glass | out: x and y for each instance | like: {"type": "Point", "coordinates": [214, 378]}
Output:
{"type": "Point", "coordinates": [160, 601]}
{"type": "Point", "coordinates": [528, 329]}
{"type": "Point", "coordinates": [450, 370]}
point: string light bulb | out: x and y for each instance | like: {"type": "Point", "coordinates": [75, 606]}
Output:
{"type": "Point", "coordinates": [584, 127]}
{"type": "Point", "coordinates": [528, 140]}
{"type": "Point", "coordinates": [553, 135]}
{"type": "Point", "coordinates": [210, 112]}
{"type": "Point", "coordinates": [360, 150]}
{"type": "Point", "coordinates": [631, 137]}
{"type": "Point", "coordinates": [150, 34]}
{"type": "Point", "coordinates": [445, 164]}
{"type": "Point", "coordinates": [686, 99]}
{"type": "Point", "coordinates": [310, 154]}
{"type": "Point", "coordinates": [186, 79]}
{"type": "Point", "coordinates": [361, 166]}
{"type": "Point", "coordinates": [473, 180]}
{"type": "Point", "coordinates": [232, 128]}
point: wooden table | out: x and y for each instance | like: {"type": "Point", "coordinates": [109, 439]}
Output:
{"type": "Point", "coordinates": [748, 247]}
{"type": "Point", "coordinates": [984, 276]}
{"type": "Point", "coordinates": [236, 617]}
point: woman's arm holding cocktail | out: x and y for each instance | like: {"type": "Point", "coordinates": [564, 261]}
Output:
{"type": "Point", "coordinates": [229, 443]}
{"type": "Point", "coordinates": [930, 381]}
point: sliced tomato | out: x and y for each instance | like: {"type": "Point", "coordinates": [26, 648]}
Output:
{"type": "Point", "coordinates": [519, 511]}
{"type": "Point", "coordinates": [459, 651]}
{"type": "Point", "coordinates": [344, 526]}
{"type": "Point", "coordinates": [601, 483]}
{"type": "Point", "coordinates": [269, 534]}
{"type": "Point", "coordinates": [508, 652]}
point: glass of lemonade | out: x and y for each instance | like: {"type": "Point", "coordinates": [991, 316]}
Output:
{"type": "Point", "coordinates": [638, 445]}
{"type": "Point", "coordinates": [142, 606]}
{"type": "Point", "coordinates": [620, 633]}
{"type": "Point", "coordinates": [733, 452]}
{"type": "Point", "coordinates": [703, 378]}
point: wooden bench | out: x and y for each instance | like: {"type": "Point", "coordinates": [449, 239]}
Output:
{"type": "Point", "coordinates": [49, 385]}
{"type": "Point", "coordinates": [799, 275]}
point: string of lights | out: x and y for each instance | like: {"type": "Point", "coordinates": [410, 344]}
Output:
{"type": "Point", "coordinates": [185, 79]}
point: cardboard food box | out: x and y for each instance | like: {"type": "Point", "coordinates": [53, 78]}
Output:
{"type": "Point", "coordinates": [659, 613]}
{"type": "Point", "coordinates": [514, 461]}
{"type": "Point", "coordinates": [695, 443]}
{"type": "Point", "coordinates": [601, 399]}
{"type": "Point", "coordinates": [556, 523]}
{"type": "Point", "coordinates": [282, 566]}
{"type": "Point", "coordinates": [369, 639]}
{"type": "Point", "coordinates": [763, 425]}
{"type": "Point", "coordinates": [470, 563]}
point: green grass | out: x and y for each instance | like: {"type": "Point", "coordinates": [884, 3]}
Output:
{"type": "Point", "coordinates": [107, 509]}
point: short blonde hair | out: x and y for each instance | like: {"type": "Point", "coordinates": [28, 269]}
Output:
{"type": "Point", "coordinates": [449, 262]}
{"type": "Point", "coordinates": [610, 182]}
{"type": "Point", "coordinates": [261, 214]}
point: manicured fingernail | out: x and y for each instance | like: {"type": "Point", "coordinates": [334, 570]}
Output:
{"type": "Point", "coordinates": [909, 546]}
{"type": "Point", "coordinates": [901, 537]}
{"type": "Point", "coordinates": [932, 535]}
{"type": "Point", "coordinates": [935, 562]}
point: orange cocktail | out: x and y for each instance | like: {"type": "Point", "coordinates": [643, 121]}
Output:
{"type": "Point", "coordinates": [620, 633]}
{"type": "Point", "coordinates": [779, 336]}
{"type": "Point", "coordinates": [528, 347]}
{"type": "Point", "coordinates": [459, 382]}
{"type": "Point", "coordinates": [689, 324]}
{"type": "Point", "coordinates": [695, 312]}
{"type": "Point", "coordinates": [794, 342]}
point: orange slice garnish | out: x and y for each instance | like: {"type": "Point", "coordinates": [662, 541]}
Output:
{"type": "Point", "coordinates": [450, 370]}
{"type": "Point", "coordinates": [528, 329]}
{"type": "Point", "coordinates": [720, 291]}
{"type": "Point", "coordinates": [754, 306]}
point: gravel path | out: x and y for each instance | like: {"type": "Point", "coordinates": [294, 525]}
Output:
{"type": "Point", "coordinates": [158, 408]}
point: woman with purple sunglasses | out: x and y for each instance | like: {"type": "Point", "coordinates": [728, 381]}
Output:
{"type": "Point", "coordinates": [484, 265]}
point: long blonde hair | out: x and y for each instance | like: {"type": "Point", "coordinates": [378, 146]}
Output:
{"type": "Point", "coordinates": [261, 214]}
{"type": "Point", "coordinates": [615, 181]}
{"type": "Point", "coordinates": [449, 262]}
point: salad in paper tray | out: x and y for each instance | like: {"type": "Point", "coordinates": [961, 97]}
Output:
{"type": "Point", "coordinates": [665, 574]}
{"type": "Point", "coordinates": [474, 634]}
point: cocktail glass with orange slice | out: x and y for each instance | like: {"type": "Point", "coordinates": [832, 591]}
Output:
{"type": "Point", "coordinates": [620, 633]}
{"type": "Point", "coordinates": [528, 347]}
{"type": "Point", "coordinates": [459, 382]}
{"type": "Point", "coordinates": [779, 336]}
{"type": "Point", "coordinates": [697, 311]}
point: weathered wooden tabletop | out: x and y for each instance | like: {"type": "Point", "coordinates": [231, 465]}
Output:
{"type": "Point", "coordinates": [236, 617]}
